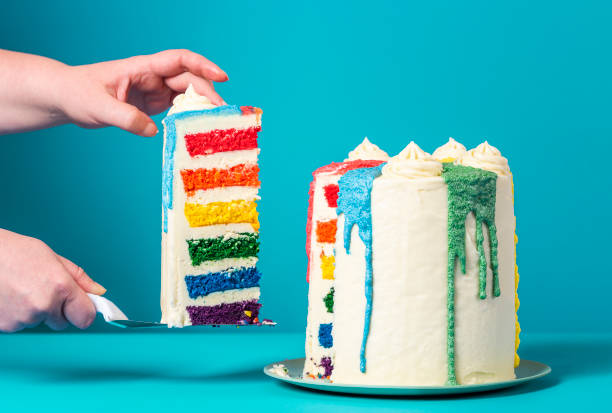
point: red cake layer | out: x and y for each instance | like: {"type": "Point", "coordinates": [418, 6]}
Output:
{"type": "Point", "coordinates": [331, 194]}
{"type": "Point", "coordinates": [238, 175]}
{"type": "Point", "coordinates": [340, 169]}
{"type": "Point", "coordinates": [222, 140]}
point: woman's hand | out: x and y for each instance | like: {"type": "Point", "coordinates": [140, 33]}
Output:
{"type": "Point", "coordinates": [36, 92]}
{"type": "Point", "coordinates": [37, 285]}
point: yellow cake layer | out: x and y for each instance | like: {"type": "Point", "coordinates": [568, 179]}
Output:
{"type": "Point", "coordinates": [215, 213]}
{"type": "Point", "coordinates": [327, 266]}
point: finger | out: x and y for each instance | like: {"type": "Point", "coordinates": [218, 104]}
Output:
{"type": "Point", "coordinates": [78, 308]}
{"type": "Point", "coordinates": [204, 87]}
{"type": "Point", "coordinates": [125, 116]}
{"type": "Point", "coordinates": [80, 276]}
{"type": "Point", "coordinates": [173, 62]}
{"type": "Point", "coordinates": [56, 320]}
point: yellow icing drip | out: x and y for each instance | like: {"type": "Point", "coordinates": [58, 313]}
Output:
{"type": "Point", "coordinates": [327, 266]}
{"type": "Point", "coordinates": [216, 213]}
{"type": "Point", "coordinates": [447, 160]}
{"type": "Point", "coordinates": [517, 303]}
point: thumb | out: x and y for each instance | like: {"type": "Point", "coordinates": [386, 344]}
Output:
{"type": "Point", "coordinates": [127, 117]}
{"type": "Point", "coordinates": [80, 276]}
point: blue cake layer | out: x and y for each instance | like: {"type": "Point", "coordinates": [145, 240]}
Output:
{"type": "Point", "coordinates": [201, 285]}
{"type": "Point", "coordinates": [325, 335]}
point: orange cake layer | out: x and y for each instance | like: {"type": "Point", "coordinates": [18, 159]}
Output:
{"type": "Point", "coordinates": [238, 175]}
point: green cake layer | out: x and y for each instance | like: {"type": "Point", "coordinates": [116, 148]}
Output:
{"type": "Point", "coordinates": [210, 249]}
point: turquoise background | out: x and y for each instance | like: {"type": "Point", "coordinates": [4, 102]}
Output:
{"type": "Point", "coordinates": [533, 78]}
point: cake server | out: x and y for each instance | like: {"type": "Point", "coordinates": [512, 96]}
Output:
{"type": "Point", "coordinates": [114, 316]}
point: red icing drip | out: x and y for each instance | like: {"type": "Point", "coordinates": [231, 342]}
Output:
{"type": "Point", "coordinates": [343, 167]}
{"type": "Point", "coordinates": [331, 194]}
{"type": "Point", "coordinates": [309, 226]}
{"type": "Point", "coordinates": [221, 140]}
{"type": "Point", "coordinates": [238, 175]}
{"type": "Point", "coordinates": [339, 168]}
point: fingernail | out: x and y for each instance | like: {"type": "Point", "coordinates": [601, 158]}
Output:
{"type": "Point", "coordinates": [150, 130]}
{"type": "Point", "coordinates": [99, 289]}
{"type": "Point", "coordinates": [222, 73]}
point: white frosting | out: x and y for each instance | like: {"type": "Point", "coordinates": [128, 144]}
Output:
{"type": "Point", "coordinates": [449, 152]}
{"type": "Point", "coordinates": [227, 296]}
{"type": "Point", "coordinates": [225, 194]}
{"type": "Point", "coordinates": [487, 157]}
{"type": "Point", "coordinates": [216, 265]}
{"type": "Point", "coordinates": [412, 163]}
{"type": "Point", "coordinates": [214, 231]}
{"type": "Point", "coordinates": [221, 160]}
{"type": "Point", "coordinates": [407, 341]}
{"type": "Point", "coordinates": [190, 100]}
{"type": "Point", "coordinates": [367, 151]}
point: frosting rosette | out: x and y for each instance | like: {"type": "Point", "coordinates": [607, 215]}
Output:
{"type": "Point", "coordinates": [486, 157]}
{"type": "Point", "coordinates": [367, 151]}
{"type": "Point", "coordinates": [412, 162]}
{"type": "Point", "coordinates": [190, 100]}
{"type": "Point", "coordinates": [449, 152]}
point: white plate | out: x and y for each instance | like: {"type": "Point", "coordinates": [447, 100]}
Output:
{"type": "Point", "coordinates": [528, 370]}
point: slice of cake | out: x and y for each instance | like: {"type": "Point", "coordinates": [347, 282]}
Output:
{"type": "Point", "coordinates": [210, 227]}
{"type": "Point", "coordinates": [320, 242]}
{"type": "Point", "coordinates": [424, 273]}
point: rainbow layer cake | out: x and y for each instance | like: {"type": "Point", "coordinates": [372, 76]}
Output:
{"type": "Point", "coordinates": [412, 268]}
{"type": "Point", "coordinates": [210, 226]}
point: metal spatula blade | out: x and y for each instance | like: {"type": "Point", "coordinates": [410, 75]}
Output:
{"type": "Point", "coordinates": [136, 324]}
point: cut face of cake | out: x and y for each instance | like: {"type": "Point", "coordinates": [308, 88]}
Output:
{"type": "Point", "coordinates": [320, 242]}
{"type": "Point", "coordinates": [210, 226]}
{"type": "Point", "coordinates": [422, 257]}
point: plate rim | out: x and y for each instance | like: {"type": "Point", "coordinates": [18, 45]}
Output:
{"type": "Point", "coordinates": [461, 388]}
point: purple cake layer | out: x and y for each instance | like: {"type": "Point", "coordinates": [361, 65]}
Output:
{"type": "Point", "coordinates": [326, 363]}
{"type": "Point", "coordinates": [232, 313]}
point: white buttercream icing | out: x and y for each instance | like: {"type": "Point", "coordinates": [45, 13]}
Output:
{"type": "Point", "coordinates": [406, 344]}
{"type": "Point", "coordinates": [412, 162]}
{"type": "Point", "coordinates": [366, 150]}
{"type": "Point", "coordinates": [190, 100]}
{"type": "Point", "coordinates": [449, 152]}
{"type": "Point", "coordinates": [487, 157]}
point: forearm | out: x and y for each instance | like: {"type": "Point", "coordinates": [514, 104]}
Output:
{"type": "Point", "coordinates": [30, 89]}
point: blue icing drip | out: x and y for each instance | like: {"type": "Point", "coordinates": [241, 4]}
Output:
{"type": "Point", "coordinates": [201, 285]}
{"type": "Point", "coordinates": [168, 167]}
{"type": "Point", "coordinates": [167, 170]}
{"type": "Point", "coordinates": [227, 110]}
{"type": "Point", "coordinates": [325, 335]}
{"type": "Point", "coordinates": [354, 201]}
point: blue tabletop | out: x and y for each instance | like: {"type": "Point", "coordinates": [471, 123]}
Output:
{"type": "Point", "coordinates": [207, 368]}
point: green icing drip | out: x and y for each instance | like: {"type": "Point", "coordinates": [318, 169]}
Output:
{"type": "Point", "coordinates": [210, 249]}
{"type": "Point", "coordinates": [469, 190]}
{"type": "Point", "coordinates": [329, 301]}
